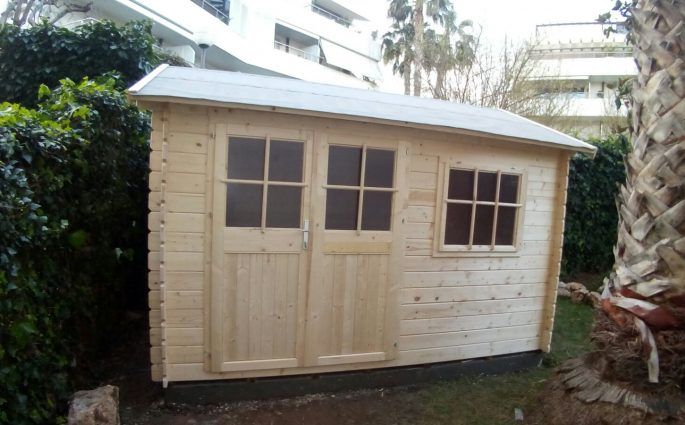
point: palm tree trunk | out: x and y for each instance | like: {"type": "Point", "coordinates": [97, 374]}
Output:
{"type": "Point", "coordinates": [646, 293]}
{"type": "Point", "coordinates": [406, 73]}
{"type": "Point", "coordinates": [418, 45]}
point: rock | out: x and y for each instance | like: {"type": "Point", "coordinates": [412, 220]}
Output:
{"type": "Point", "coordinates": [518, 414]}
{"type": "Point", "coordinates": [562, 285]}
{"type": "Point", "coordinates": [595, 298]}
{"type": "Point", "coordinates": [577, 297]}
{"type": "Point", "coordinates": [575, 286]}
{"type": "Point", "coordinates": [563, 292]}
{"type": "Point", "coordinates": [95, 407]}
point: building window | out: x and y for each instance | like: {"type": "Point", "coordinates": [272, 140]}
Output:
{"type": "Point", "coordinates": [480, 210]}
{"type": "Point", "coordinates": [265, 181]}
{"type": "Point", "coordinates": [360, 187]}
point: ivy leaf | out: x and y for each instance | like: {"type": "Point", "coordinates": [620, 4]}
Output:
{"type": "Point", "coordinates": [22, 331]}
{"type": "Point", "coordinates": [43, 91]}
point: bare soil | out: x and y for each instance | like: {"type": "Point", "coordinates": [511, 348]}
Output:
{"type": "Point", "coordinates": [482, 400]}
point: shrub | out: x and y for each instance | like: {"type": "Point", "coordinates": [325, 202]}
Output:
{"type": "Point", "coordinates": [591, 212]}
{"type": "Point", "coordinates": [72, 194]}
{"type": "Point", "coordinates": [46, 54]}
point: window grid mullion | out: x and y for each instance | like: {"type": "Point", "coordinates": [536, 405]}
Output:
{"type": "Point", "coordinates": [494, 216]}
{"type": "Point", "coordinates": [360, 203]}
{"type": "Point", "coordinates": [473, 208]}
{"type": "Point", "coordinates": [265, 182]}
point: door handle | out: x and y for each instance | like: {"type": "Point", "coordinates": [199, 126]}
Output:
{"type": "Point", "coordinates": [305, 235]}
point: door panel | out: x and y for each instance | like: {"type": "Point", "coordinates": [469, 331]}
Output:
{"type": "Point", "coordinates": [355, 272]}
{"type": "Point", "coordinates": [259, 257]}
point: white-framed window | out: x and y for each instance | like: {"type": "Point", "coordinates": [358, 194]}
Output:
{"type": "Point", "coordinates": [264, 183]}
{"type": "Point", "coordinates": [359, 188]}
{"type": "Point", "coordinates": [480, 210]}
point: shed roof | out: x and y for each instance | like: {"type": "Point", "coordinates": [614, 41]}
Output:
{"type": "Point", "coordinates": [297, 96]}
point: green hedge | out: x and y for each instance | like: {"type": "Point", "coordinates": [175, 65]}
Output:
{"type": "Point", "coordinates": [45, 54]}
{"type": "Point", "coordinates": [73, 202]}
{"type": "Point", "coordinates": [72, 197]}
{"type": "Point", "coordinates": [591, 212]}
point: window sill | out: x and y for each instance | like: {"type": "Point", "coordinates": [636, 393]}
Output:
{"type": "Point", "coordinates": [508, 251]}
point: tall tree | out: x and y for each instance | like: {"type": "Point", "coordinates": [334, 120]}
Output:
{"type": "Point", "coordinates": [643, 303]}
{"type": "Point", "coordinates": [31, 12]}
{"type": "Point", "coordinates": [398, 43]}
{"type": "Point", "coordinates": [404, 44]}
{"type": "Point", "coordinates": [646, 292]}
{"type": "Point", "coordinates": [418, 44]}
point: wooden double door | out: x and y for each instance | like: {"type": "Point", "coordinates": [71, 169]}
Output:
{"type": "Point", "coordinates": [305, 241]}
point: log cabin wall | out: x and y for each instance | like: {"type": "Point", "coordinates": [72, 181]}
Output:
{"type": "Point", "coordinates": [444, 305]}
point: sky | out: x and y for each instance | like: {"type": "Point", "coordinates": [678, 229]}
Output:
{"type": "Point", "coordinates": [513, 20]}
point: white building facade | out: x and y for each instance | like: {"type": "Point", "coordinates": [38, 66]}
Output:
{"type": "Point", "coordinates": [324, 41]}
{"type": "Point", "coordinates": [591, 67]}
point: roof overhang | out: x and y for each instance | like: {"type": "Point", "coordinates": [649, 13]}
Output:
{"type": "Point", "coordinates": [255, 92]}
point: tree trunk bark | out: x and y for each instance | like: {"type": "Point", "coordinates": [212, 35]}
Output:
{"type": "Point", "coordinates": [646, 292]}
{"type": "Point", "coordinates": [418, 45]}
{"type": "Point", "coordinates": [406, 73]}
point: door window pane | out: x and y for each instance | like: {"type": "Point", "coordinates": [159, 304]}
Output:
{"type": "Point", "coordinates": [506, 223]}
{"type": "Point", "coordinates": [457, 224]}
{"type": "Point", "coordinates": [344, 165]}
{"type": "Point", "coordinates": [460, 185]}
{"type": "Point", "coordinates": [487, 185]}
{"type": "Point", "coordinates": [509, 187]}
{"type": "Point", "coordinates": [283, 205]}
{"type": "Point", "coordinates": [246, 158]}
{"type": "Point", "coordinates": [341, 209]}
{"type": "Point", "coordinates": [377, 210]}
{"type": "Point", "coordinates": [482, 231]}
{"type": "Point", "coordinates": [380, 168]}
{"type": "Point", "coordinates": [244, 205]}
{"type": "Point", "coordinates": [285, 161]}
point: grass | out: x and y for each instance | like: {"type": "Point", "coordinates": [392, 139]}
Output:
{"type": "Point", "coordinates": [490, 400]}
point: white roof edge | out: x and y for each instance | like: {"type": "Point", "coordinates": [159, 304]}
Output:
{"type": "Point", "coordinates": [146, 79]}
{"type": "Point", "coordinates": [584, 147]}
{"type": "Point", "coordinates": [249, 91]}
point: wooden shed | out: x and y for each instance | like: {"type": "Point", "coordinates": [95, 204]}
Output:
{"type": "Point", "coordinates": [301, 228]}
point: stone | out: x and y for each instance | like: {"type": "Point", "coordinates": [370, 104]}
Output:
{"type": "Point", "coordinates": [595, 298]}
{"type": "Point", "coordinates": [95, 407]}
{"type": "Point", "coordinates": [562, 285]}
{"type": "Point", "coordinates": [563, 292]}
{"type": "Point", "coordinates": [518, 414]}
{"type": "Point", "coordinates": [577, 297]}
{"type": "Point", "coordinates": [575, 286]}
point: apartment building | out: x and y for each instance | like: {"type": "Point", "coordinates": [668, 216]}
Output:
{"type": "Point", "coordinates": [591, 66]}
{"type": "Point", "coordinates": [325, 41]}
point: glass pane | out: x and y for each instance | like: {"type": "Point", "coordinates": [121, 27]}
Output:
{"type": "Point", "coordinates": [285, 161]}
{"type": "Point", "coordinates": [482, 233]}
{"type": "Point", "coordinates": [457, 224]}
{"type": "Point", "coordinates": [506, 224]}
{"type": "Point", "coordinates": [244, 205]}
{"type": "Point", "coordinates": [380, 167]}
{"type": "Point", "coordinates": [377, 210]}
{"type": "Point", "coordinates": [487, 185]}
{"type": "Point", "coordinates": [283, 205]}
{"type": "Point", "coordinates": [246, 158]}
{"type": "Point", "coordinates": [341, 209]}
{"type": "Point", "coordinates": [509, 188]}
{"type": "Point", "coordinates": [460, 185]}
{"type": "Point", "coordinates": [344, 165]}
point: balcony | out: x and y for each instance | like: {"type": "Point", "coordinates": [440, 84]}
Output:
{"type": "Point", "coordinates": [295, 51]}
{"type": "Point", "coordinates": [217, 8]}
{"type": "Point", "coordinates": [330, 15]}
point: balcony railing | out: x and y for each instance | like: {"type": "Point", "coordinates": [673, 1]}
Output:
{"type": "Point", "coordinates": [210, 8]}
{"type": "Point", "coordinates": [295, 51]}
{"type": "Point", "coordinates": [332, 16]}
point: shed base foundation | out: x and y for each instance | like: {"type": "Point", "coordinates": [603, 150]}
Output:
{"type": "Point", "coordinates": [216, 392]}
